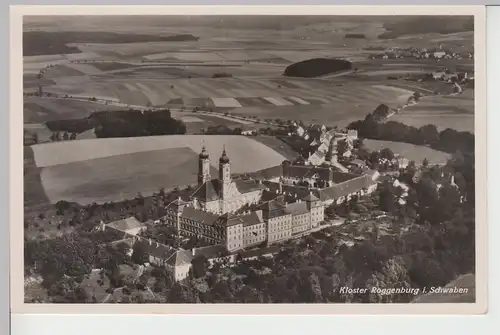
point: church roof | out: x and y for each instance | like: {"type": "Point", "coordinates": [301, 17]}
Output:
{"type": "Point", "coordinates": [224, 158]}
{"type": "Point", "coordinates": [203, 153]}
{"type": "Point", "coordinates": [209, 191]}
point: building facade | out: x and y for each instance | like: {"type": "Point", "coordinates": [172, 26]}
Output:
{"type": "Point", "coordinates": [222, 195]}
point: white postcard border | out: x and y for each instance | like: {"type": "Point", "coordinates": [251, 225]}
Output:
{"type": "Point", "coordinates": [16, 159]}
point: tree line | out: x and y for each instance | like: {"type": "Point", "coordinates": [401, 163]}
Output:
{"type": "Point", "coordinates": [128, 123]}
{"type": "Point", "coordinates": [448, 140]}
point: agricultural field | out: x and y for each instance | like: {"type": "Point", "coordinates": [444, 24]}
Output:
{"type": "Point", "coordinates": [103, 170]}
{"type": "Point", "coordinates": [413, 152]}
{"type": "Point", "coordinates": [38, 110]}
{"type": "Point", "coordinates": [142, 72]}
{"type": "Point", "coordinates": [456, 112]}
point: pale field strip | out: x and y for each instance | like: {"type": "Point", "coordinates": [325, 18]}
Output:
{"type": "Point", "coordinates": [390, 72]}
{"type": "Point", "coordinates": [190, 119]}
{"type": "Point", "coordinates": [200, 90]}
{"type": "Point", "coordinates": [242, 93]}
{"type": "Point", "coordinates": [299, 100]}
{"type": "Point", "coordinates": [226, 102]}
{"type": "Point", "coordinates": [239, 149]}
{"type": "Point", "coordinates": [278, 101]}
{"type": "Point", "coordinates": [152, 96]}
{"type": "Point", "coordinates": [207, 86]}
{"type": "Point", "coordinates": [183, 91]}
{"type": "Point", "coordinates": [226, 93]}
{"type": "Point", "coordinates": [87, 69]}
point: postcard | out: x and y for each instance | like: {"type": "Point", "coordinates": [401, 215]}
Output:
{"type": "Point", "coordinates": [248, 159]}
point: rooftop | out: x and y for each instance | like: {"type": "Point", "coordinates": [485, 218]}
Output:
{"type": "Point", "coordinates": [199, 215]}
{"type": "Point", "coordinates": [296, 208]}
{"type": "Point", "coordinates": [127, 224]}
{"type": "Point", "coordinates": [246, 220]}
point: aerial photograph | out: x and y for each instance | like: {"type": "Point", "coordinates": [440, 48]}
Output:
{"type": "Point", "coordinates": [248, 159]}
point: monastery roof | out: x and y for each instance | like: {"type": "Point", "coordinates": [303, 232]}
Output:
{"type": "Point", "coordinates": [245, 186]}
{"type": "Point", "coordinates": [199, 215]}
{"type": "Point", "coordinates": [346, 188]}
{"type": "Point", "coordinates": [305, 171]}
{"type": "Point", "coordinates": [269, 173]}
{"type": "Point", "coordinates": [126, 224]}
{"type": "Point", "coordinates": [272, 209]}
{"type": "Point", "coordinates": [246, 220]}
{"type": "Point", "coordinates": [296, 208]}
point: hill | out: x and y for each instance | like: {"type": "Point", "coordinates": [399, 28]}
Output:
{"type": "Point", "coordinates": [316, 67]}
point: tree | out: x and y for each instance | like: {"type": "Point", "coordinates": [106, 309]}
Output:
{"type": "Point", "coordinates": [200, 265]}
{"type": "Point", "coordinates": [387, 154]}
{"type": "Point", "coordinates": [425, 162]}
{"type": "Point", "coordinates": [140, 254]}
{"type": "Point", "coordinates": [342, 148]}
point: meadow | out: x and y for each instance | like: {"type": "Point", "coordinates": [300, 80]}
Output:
{"type": "Point", "coordinates": [413, 152]}
{"type": "Point", "coordinates": [115, 169]}
{"type": "Point", "coordinates": [239, 148]}
{"type": "Point", "coordinates": [120, 177]}
{"type": "Point", "coordinates": [456, 112]}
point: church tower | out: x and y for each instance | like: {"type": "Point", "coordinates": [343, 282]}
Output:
{"type": "Point", "coordinates": [224, 173]}
{"type": "Point", "coordinates": [203, 167]}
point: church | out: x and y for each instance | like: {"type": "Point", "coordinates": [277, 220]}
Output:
{"type": "Point", "coordinates": [223, 194]}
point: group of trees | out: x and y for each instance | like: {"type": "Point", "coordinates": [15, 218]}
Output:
{"type": "Point", "coordinates": [133, 123]}
{"type": "Point", "coordinates": [447, 140]}
{"type": "Point", "coordinates": [316, 67]}
{"type": "Point", "coordinates": [130, 123]}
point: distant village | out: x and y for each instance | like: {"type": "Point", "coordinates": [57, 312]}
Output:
{"type": "Point", "coordinates": [417, 53]}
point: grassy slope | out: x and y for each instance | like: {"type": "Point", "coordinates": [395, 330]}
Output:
{"type": "Point", "coordinates": [410, 151]}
